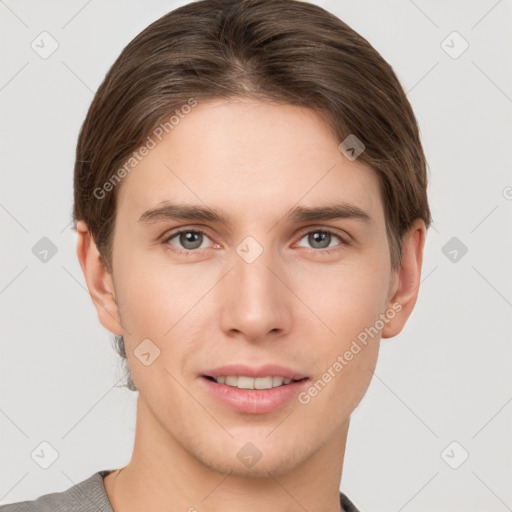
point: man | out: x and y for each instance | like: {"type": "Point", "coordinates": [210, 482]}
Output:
{"type": "Point", "coordinates": [251, 211]}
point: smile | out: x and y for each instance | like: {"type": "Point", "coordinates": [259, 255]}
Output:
{"type": "Point", "coordinates": [244, 382]}
{"type": "Point", "coordinates": [253, 395]}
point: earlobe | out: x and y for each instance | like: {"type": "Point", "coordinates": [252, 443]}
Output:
{"type": "Point", "coordinates": [99, 282]}
{"type": "Point", "coordinates": [407, 280]}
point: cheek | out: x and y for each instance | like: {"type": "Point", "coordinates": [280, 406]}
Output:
{"type": "Point", "coordinates": [346, 354]}
{"type": "Point", "coordinates": [339, 301]}
{"type": "Point", "coordinates": [349, 304]}
{"type": "Point", "coordinates": [349, 379]}
{"type": "Point", "coordinates": [161, 302]}
{"type": "Point", "coordinates": [348, 299]}
{"type": "Point", "coordinates": [154, 293]}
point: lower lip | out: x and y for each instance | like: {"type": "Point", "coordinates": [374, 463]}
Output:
{"type": "Point", "coordinates": [254, 401]}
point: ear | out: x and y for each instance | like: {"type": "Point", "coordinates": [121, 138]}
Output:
{"type": "Point", "coordinates": [99, 282]}
{"type": "Point", "coordinates": [406, 281]}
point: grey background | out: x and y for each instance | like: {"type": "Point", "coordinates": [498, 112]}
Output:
{"type": "Point", "coordinates": [445, 378]}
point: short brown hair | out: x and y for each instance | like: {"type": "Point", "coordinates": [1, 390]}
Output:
{"type": "Point", "coordinates": [282, 51]}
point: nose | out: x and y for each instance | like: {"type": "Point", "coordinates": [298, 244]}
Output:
{"type": "Point", "coordinates": [257, 303]}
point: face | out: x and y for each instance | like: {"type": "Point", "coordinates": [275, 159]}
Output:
{"type": "Point", "coordinates": [260, 286]}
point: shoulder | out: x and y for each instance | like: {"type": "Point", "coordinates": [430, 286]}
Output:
{"type": "Point", "coordinates": [346, 504]}
{"type": "Point", "coordinates": [86, 496]}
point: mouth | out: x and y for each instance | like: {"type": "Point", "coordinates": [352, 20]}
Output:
{"type": "Point", "coordinates": [245, 382]}
{"type": "Point", "coordinates": [262, 394]}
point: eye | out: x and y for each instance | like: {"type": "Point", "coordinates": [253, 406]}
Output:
{"type": "Point", "coordinates": [321, 239]}
{"type": "Point", "coordinates": [189, 239]}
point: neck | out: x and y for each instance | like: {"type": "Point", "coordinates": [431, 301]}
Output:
{"type": "Point", "coordinates": [162, 475]}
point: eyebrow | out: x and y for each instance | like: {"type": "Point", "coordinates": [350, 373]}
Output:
{"type": "Point", "coordinates": [299, 214]}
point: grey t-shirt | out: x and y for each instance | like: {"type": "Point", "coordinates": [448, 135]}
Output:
{"type": "Point", "coordinates": [90, 496]}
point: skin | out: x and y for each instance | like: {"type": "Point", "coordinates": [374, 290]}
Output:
{"type": "Point", "coordinates": [293, 305]}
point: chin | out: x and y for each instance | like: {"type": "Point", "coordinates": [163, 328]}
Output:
{"type": "Point", "coordinates": [272, 461]}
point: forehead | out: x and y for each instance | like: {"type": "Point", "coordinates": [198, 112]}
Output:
{"type": "Point", "coordinates": [249, 158]}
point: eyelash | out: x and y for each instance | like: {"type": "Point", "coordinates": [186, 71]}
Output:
{"type": "Point", "coordinates": [191, 251]}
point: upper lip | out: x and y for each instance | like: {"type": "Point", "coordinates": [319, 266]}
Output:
{"type": "Point", "coordinates": [267, 370]}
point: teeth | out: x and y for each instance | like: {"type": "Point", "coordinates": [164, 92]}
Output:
{"type": "Point", "coordinates": [243, 382]}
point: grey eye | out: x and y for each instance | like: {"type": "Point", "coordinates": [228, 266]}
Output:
{"type": "Point", "coordinates": [320, 239]}
{"type": "Point", "coordinates": [188, 239]}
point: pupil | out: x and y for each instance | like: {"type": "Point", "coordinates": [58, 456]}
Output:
{"type": "Point", "coordinates": [319, 237]}
{"type": "Point", "coordinates": [190, 237]}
